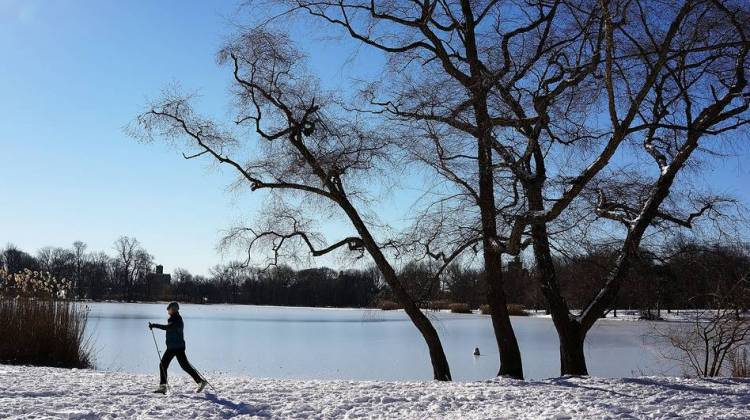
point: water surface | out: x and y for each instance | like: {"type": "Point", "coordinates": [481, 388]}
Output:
{"type": "Point", "coordinates": [363, 344]}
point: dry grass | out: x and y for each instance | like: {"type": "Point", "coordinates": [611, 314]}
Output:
{"type": "Point", "coordinates": [43, 333]}
{"type": "Point", "coordinates": [514, 309]}
{"type": "Point", "coordinates": [388, 305]}
{"type": "Point", "coordinates": [439, 305]}
{"type": "Point", "coordinates": [460, 308]}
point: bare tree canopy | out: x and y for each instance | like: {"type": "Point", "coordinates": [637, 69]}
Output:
{"type": "Point", "coordinates": [531, 111]}
{"type": "Point", "coordinates": [553, 125]}
{"type": "Point", "coordinates": [308, 148]}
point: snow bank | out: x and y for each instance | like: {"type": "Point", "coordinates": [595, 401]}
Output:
{"type": "Point", "coordinates": [676, 315]}
{"type": "Point", "coordinates": [31, 392]}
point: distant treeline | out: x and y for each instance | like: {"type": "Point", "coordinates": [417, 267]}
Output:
{"type": "Point", "coordinates": [233, 283]}
{"type": "Point", "coordinates": [684, 276]}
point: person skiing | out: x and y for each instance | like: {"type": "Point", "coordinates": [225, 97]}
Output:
{"type": "Point", "coordinates": [175, 348]}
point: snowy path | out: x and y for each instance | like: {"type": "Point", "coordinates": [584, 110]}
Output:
{"type": "Point", "coordinates": [31, 392]}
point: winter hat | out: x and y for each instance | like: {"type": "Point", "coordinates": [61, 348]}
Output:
{"type": "Point", "coordinates": [174, 305]}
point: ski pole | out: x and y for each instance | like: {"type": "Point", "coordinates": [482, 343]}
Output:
{"type": "Point", "coordinates": [202, 377]}
{"type": "Point", "coordinates": [161, 368]}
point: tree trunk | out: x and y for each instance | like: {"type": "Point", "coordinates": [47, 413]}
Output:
{"type": "Point", "coordinates": [510, 355]}
{"type": "Point", "coordinates": [572, 357]}
{"type": "Point", "coordinates": [440, 368]}
{"type": "Point", "coordinates": [569, 331]}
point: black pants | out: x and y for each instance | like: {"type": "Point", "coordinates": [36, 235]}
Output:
{"type": "Point", "coordinates": [184, 364]}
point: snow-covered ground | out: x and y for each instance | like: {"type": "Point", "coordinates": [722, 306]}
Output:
{"type": "Point", "coordinates": [680, 315]}
{"type": "Point", "coordinates": [33, 392]}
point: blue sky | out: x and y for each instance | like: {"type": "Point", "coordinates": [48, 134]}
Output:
{"type": "Point", "coordinates": [74, 73]}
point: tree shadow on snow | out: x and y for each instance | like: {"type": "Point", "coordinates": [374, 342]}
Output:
{"type": "Point", "coordinates": [694, 388]}
{"type": "Point", "coordinates": [563, 381]}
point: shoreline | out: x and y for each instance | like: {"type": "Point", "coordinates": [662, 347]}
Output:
{"type": "Point", "coordinates": [676, 315]}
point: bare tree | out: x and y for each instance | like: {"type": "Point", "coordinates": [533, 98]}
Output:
{"type": "Point", "coordinates": [310, 151]}
{"type": "Point", "coordinates": [527, 80]}
{"type": "Point", "coordinates": [59, 262]}
{"type": "Point", "coordinates": [143, 265]}
{"type": "Point", "coordinates": [182, 275]}
{"type": "Point", "coordinates": [100, 273]}
{"type": "Point", "coordinates": [230, 276]}
{"type": "Point", "coordinates": [466, 74]}
{"type": "Point", "coordinates": [713, 335]}
{"type": "Point", "coordinates": [79, 261]}
{"type": "Point", "coordinates": [695, 89]}
{"type": "Point", "coordinates": [130, 261]}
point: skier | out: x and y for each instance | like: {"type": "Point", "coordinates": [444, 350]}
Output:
{"type": "Point", "coordinates": [175, 347]}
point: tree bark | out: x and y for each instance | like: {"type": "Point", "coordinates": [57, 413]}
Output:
{"type": "Point", "coordinates": [440, 368]}
{"type": "Point", "coordinates": [572, 357]}
{"type": "Point", "coordinates": [510, 355]}
{"type": "Point", "coordinates": [570, 331]}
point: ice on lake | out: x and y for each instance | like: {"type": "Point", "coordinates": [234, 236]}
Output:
{"type": "Point", "coordinates": [357, 344]}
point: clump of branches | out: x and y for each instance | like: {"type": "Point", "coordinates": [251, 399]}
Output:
{"type": "Point", "coordinates": [295, 141]}
{"type": "Point", "coordinates": [714, 341]}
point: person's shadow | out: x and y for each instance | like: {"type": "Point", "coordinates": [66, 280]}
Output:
{"type": "Point", "coordinates": [239, 408]}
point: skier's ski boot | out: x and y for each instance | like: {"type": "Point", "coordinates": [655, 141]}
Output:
{"type": "Point", "coordinates": [201, 385]}
{"type": "Point", "coordinates": [162, 389]}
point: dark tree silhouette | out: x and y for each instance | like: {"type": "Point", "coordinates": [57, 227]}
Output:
{"type": "Point", "coordinates": [308, 149]}
{"type": "Point", "coordinates": [527, 81]}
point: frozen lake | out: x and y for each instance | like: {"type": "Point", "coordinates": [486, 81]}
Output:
{"type": "Point", "coordinates": [317, 343]}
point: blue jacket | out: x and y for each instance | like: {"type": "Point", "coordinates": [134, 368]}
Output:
{"type": "Point", "coordinates": [174, 327]}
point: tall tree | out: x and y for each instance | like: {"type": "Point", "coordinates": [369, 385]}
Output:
{"type": "Point", "coordinates": [132, 262]}
{"type": "Point", "coordinates": [472, 69]}
{"type": "Point", "coordinates": [310, 151]}
{"type": "Point", "coordinates": [79, 263]}
{"type": "Point", "coordinates": [527, 80]}
{"type": "Point", "coordinates": [674, 76]}
{"type": "Point", "coordinates": [100, 274]}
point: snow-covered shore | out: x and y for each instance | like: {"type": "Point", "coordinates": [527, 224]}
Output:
{"type": "Point", "coordinates": [677, 315]}
{"type": "Point", "coordinates": [33, 392]}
